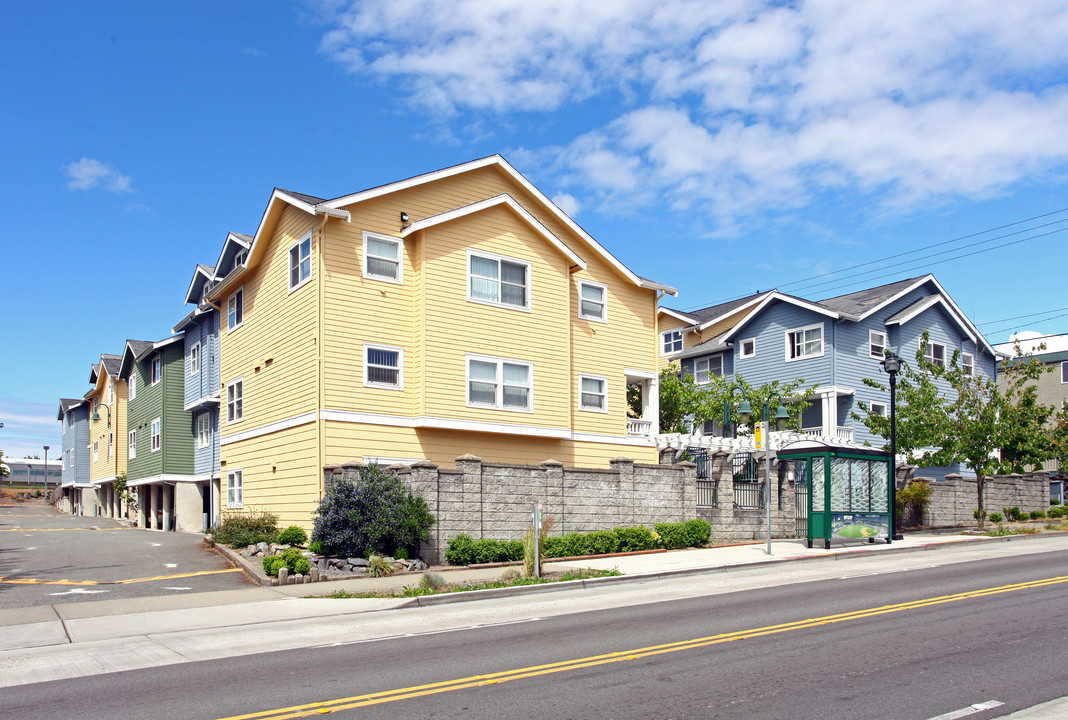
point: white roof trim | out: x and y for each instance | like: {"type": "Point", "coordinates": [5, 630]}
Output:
{"type": "Point", "coordinates": [199, 271]}
{"type": "Point", "coordinates": [910, 313]}
{"type": "Point", "coordinates": [776, 295]}
{"type": "Point", "coordinates": [724, 316]}
{"type": "Point", "coordinates": [675, 314]}
{"type": "Point", "coordinates": [900, 294]}
{"type": "Point", "coordinates": [503, 199]}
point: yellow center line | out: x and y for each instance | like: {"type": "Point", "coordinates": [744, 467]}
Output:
{"type": "Point", "coordinates": [55, 529]}
{"type": "Point", "coordinates": [35, 581]}
{"type": "Point", "coordinates": [386, 696]}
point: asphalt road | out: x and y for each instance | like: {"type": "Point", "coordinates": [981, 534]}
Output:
{"type": "Point", "coordinates": [48, 558]}
{"type": "Point", "coordinates": [880, 641]}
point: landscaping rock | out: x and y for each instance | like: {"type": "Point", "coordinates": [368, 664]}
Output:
{"type": "Point", "coordinates": [283, 575]}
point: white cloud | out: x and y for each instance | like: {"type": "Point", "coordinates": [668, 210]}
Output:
{"type": "Point", "coordinates": [743, 105]}
{"type": "Point", "coordinates": [87, 173]}
{"type": "Point", "coordinates": [567, 203]}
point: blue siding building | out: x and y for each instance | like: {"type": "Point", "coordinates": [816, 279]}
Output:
{"type": "Point", "coordinates": [833, 344]}
{"type": "Point", "coordinates": [74, 417]}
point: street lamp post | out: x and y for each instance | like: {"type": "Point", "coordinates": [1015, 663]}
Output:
{"type": "Point", "coordinates": [46, 468]}
{"type": "Point", "coordinates": [892, 365]}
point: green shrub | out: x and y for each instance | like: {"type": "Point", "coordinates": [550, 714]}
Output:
{"type": "Point", "coordinates": [1054, 501]}
{"type": "Point", "coordinates": [373, 514]}
{"type": "Point", "coordinates": [553, 547]}
{"type": "Point", "coordinates": [460, 550]}
{"type": "Point", "coordinates": [272, 563]}
{"type": "Point", "coordinates": [976, 514]}
{"type": "Point", "coordinates": [379, 567]}
{"type": "Point", "coordinates": [432, 580]}
{"type": "Point", "coordinates": [673, 535]}
{"type": "Point", "coordinates": [635, 539]}
{"type": "Point", "coordinates": [245, 528]}
{"type": "Point", "coordinates": [295, 561]}
{"type": "Point", "coordinates": [995, 517]}
{"type": "Point", "coordinates": [292, 535]}
{"type": "Point", "coordinates": [316, 546]}
{"type": "Point", "coordinates": [699, 531]}
{"type": "Point", "coordinates": [600, 542]}
{"type": "Point", "coordinates": [1038, 515]}
{"type": "Point", "coordinates": [1057, 512]}
{"type": "Point", "coordinates": [1014, 514]}
{"type": "Point", "coordinates": [401, 553]}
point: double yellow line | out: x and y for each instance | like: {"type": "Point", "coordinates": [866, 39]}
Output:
{"type": "Point", "coordinates": [130, 581]}
{"type": "Point", "coordinates": [387, 696]}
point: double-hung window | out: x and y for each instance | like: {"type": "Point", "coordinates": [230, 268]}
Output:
{"type": "Point", "coordinates": [499, 383]}
{"type": "Point", "coordinates": [300, 269]}
{"type": "Point", "coordinates": [194, 359]}
{"type": "Point", "coordinates": [804, 342]}
{"type": "Point", "coordinates": [70, 459]}
{"type": "Point", "coordinates": [235, 309]}
{"type": "Point", "coordinates": [497, 280]}
{"type": "Point", "coordinates": [131, 386]}
{"type": "Point", "coordinates": [935, 353]}
{"type": "Point", "coordinates": [593, 298]}
{"type": "Point", "coordinates": [111, 444]}
{"type": "Point", "coordinates": [131, 439]}
{"type": "Point", "coordinates": [878, 408]}
{"type": "Point", "coordinates": [670, 342]}
{"type": "Point", "coordinates": [967, 364]}
{"type": "Point", "coordinates": [203, 430]}
{"type": "Point", "coordinates": [748, 348]}
{"type": "Point", "coordinates": [156, 436]}
{"type": "Point", "coordinates": [382, 258]}
{"type": "Point", "coordinates": [96, 450]}
{"type": "Point", "coordinates": [155, 370]}
{"type": "Point", "coordinates": [235, 489]}
{"type": "Point", "coordinates": [235, 400]}
{"type": "Point", "coordinates": [383, 366]}
{"type": "Point", "coordinates": [876, 344]}
{"type": "Point", "coordinates": [111, 394]}
{"type": "Point", "coordinates": [593, 393]}
{"type": "Point", "coordinates": [705, 368]}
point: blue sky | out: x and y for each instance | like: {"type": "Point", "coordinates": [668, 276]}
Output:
{"type": "Point", "coordinates": [721, 147]}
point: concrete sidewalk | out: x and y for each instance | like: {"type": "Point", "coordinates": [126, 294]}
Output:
{"type": "Point", "coordinates": [73, 623]}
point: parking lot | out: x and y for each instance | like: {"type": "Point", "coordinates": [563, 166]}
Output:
{"type": "Point", "coordinates": [48, 558]}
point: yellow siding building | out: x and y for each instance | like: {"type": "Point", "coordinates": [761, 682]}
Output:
{"type": "Point", "coordinates": [455, 312]}
{"type": "Point", "coordinates": [107, 425]}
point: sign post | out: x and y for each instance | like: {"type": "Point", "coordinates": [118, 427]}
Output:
{"type": "Point", "coordinates": [536, 513]}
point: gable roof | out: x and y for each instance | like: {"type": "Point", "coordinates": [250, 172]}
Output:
{"type": "Point", "coordinates": [498, 200]}
{"type": "Point", "coordinates": [862, 303]}
{"type": "Point", "coordinates": [333, 208]}
{"type": "Point", "coordinates": [771, 297]}
{"type": "Point", "coordinates": [201, 276]}
{"type": "Point", "coordinates": [68, 404]}
{"type": "Point", "coordinates": [108, 363]}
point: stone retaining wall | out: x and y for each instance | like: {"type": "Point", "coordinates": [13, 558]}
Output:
{"type": "Point", "coordinates": [494, 499]}
{"type": "Point", "coordinates": [954, 501]}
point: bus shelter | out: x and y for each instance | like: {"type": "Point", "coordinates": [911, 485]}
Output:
{"type": "Point", "coordinates": [848, 490]}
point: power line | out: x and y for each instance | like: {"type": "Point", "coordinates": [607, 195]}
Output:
{"type": "Point", "coordinates": [1019, 317]}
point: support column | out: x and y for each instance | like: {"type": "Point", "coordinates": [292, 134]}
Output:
{"type": "Point", "coordinates": [168, 505]}
{"type": "Point", "coordinates": [154, 512]}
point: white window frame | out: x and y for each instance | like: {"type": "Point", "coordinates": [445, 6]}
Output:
{"type": "Point", "coordinates": [131, 385]}
{"type": "Point", "coordinates": [235, 309]}
{"type": "Point", "coordinates": [155, 369]}
{"type": "Point", "coordinates": [668, 336]}
{"type": "Point", "coordinates": [96, 451]}
{"type": "Point", "coordinates": [235, 488]}
{"type": "Point", "coordinates": [194, 359]}
{"type": "Point", "coordinates": [367, 382]}
{"type": "Point", "coordinates": [111, 394]}
{"type": "Point", "coordinates": [156, 435]}
{"type": "Point", "coordinates": [70, 420]}
{"type": "Point", "coordinates": [370, 274]}
{"type": "Point", "coordinates": [131, 444]}
{"type": "Point", "coordinates": [879, 408]}
{"type": "Point", "coordinates": [111, 443]}
{"type": "Point", "coordinates": [203, 429]}
{"type": "Point", "coordinates": [741, 349]}
{"type": "Point", "coordinates": [707, 369]}
{"type": "Point", "coordinates": [70, 459]}
{"type": "Point", "coordinates": [498, 403]}
{"type": "Point", "coordinates": [235, 406]}
{"type": "Point", "coordinates": [528, 280]}
{"type": "Point", "coordinates": [603, 317]}
{"type": "Point", "coordinates": [298, 265]}
{"type": "Point", "coordinates": [967, 364]}
{"type": "Point", "coordinates": [882, 345]}
{"type": "Point", "coordinates": [929, 353]}
{"type": "Point", "coordinates": [603, 394]}
{"type": "Point", "coordinates": [802, 346]}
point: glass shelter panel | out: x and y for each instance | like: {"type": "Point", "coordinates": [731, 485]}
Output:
{"type": "Point", "coordinates": [817, 485]}
{"type": "Point", "coordinates": [879, 488]}
{"type": "Point", "coordinates": [840, 485]}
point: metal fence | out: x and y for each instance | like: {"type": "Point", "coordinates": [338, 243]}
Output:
{"type": "Point", "coordinates": [744, 467]}
{"type": "Point", "coordinates": [707, 493]}
{"type": "Point", "coordinates": [699, 456]}
{"type": "Point", "coordinates": [748, 495]}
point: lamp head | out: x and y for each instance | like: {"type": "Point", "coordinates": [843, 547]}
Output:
{"type": "Point", "coordinates": [745, 410]}
{"type": "Point", "coordinates": [781, 416]}
{"type": "Point", "coordinates": [891, 364]}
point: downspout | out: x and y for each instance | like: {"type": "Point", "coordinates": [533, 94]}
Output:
{"type": "Point", "coordinates": [218, 418]}
{"type": "Point", "coordinates": [321, 311]}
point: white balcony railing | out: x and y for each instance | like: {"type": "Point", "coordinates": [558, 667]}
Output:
{"type": "Point", "coordinates": [842, 433]}
{"type": "Point", "coordinates": [639, 428]}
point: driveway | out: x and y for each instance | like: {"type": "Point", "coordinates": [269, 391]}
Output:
{"type": "Point", "coordinates": [47, 558]}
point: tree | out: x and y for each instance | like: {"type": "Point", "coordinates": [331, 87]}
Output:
{"type": "Point", "coordinates": [683, 401]}
{"type": "Point", "coordinates": [4, 469]}
{"type": "Point", "coordinates": [946, 414]}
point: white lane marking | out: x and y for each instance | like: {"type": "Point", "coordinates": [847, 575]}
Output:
{"type": "Point", "coordinates": [177, 588]}
{"type": "Point", "coordinates": [970, 710]}
{"type": "Point", "coordinates": [170, 565]}
{"type": "Point", "coordinates": [31, 548]}
{"type": "Point", "coordinates": [157, 545]}
{"type": "Point", "coordinates": [79, 591]}
{"type": "Point", "coordinates": [887, 572]}
{"type": "Point", "coordinates": [431, 632]}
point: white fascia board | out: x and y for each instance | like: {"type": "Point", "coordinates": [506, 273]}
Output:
{"type": "Point", "coordinates": [785, 298]}
{"type": "Point", "coordinates": [900, 294]}
{"type": "Point", "coordinates": [653, 285]}
{"type": "Point", "coordinates": [644, 374]}
{"type": "Point", "coordinates": [230, 238]}
{"type": "Point", "coordinates": [503, 199]}
{"type": "Point", "coordinates": [675, 314]}
{"type": "Point", "coordinates": [341, 202]}
{"type": "Point", "coordinates": [285, 424]}
{"type": "Point", "coordinates": [199, 271]}
{"type": "Point", "coordinates": [444, 423]}
{"type": "Point", "coordinates": [962, 318]}
{"type": "Point", "coordinates": [177, 337]}
{"type": "Point", "coordinates": [724, 316]}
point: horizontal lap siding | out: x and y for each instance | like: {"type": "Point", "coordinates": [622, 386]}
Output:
{"type": "Point", "coordinates": [279, 327]}
{"type": "Point", "coordinates": [665, 323]}
{"type": "Point", "coordinates": [98, 431]}
{"type": "Point", "coordinates": [146, 407]}
{"type": "Point", "coordinates": [769, 328]}
{"type": "Point", "coordinates": [280, 473]}
{"type": "Point", "coordinates": [354, 441]}
{"type": "Point", "coordinates": [177, 422]}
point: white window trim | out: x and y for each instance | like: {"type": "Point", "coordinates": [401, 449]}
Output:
{"type": "Point", "coordinates": [399, 242]}
{"type": "Point", "coordinates": [499, 403]}
{"type": "Point", "coordinates": [400, 367]}
{"type": "Point", "coordinates": [131, 385]}
{"type": "Point", "coordinates": [789, 339]}
{"type": "Point", "coordinates": [156, 435]}
{"type": "Point", "coordinates": [203, 438]}
{"type": "Point", "coordinates": [966, 356]}
{"type": "Point", "coordinates": [289, 263]}
{"type": "Point", "coordinates": [153, 378]}
{"type": "Point", "coordinates": [239, 292]}
{"type": "Point", "coordinates": [111, 444]}
{"type": "Point", "coordinates": [604, 301]}
{"type": "Point", "coordinates": [741, 348]}
{"type": "Point", "coordinates": [194, 359]}
{"type": "Point", "coordinates": [239, 497]}
{"type": "Point", "coordinates": [930, 351]}
{"type": "Point", "coordinates": [871, 341]}
{"type": "Point", "coordinates": [96, 451]}
{"type": "Point", "coordinates": [882, 405]}
{"type": "Point", "coordinates": [111, 394]}
{"type": "Point", "coordinates": [131, 443]}
{"type": "Point", "coordinates": [604, 393]}
{"type": "Point", "coordinates": [226, 400]}
{"type": "Point", "coordinates": [708, 360]}
{"type": "Point", "coordinates": [529, 307]}
{"type": "Point", "coordinates": [665, 353]}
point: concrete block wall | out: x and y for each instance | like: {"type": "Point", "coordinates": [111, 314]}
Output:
{"type": "Point", "coordinates": [494, 499]}
{"type": "Point", "coordinates": [732, 524]}
{"type": "Point", "coordinates": [954, 501]}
